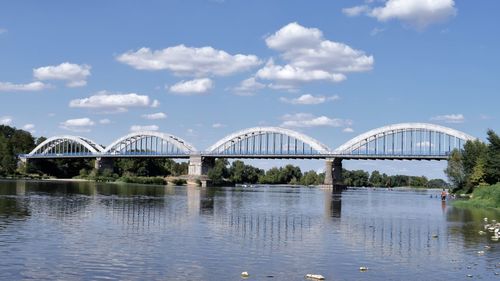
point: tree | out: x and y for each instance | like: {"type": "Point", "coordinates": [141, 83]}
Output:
{"type": "Point", "coordinates": [418, 181]}
{"type": "Point", "coordinates": [455, 170]}
{"type": "Point", "coordinates": [437, 183]}
{"type": "Point", "coordinates": [219, 172]}
{"type": "Point", "coordinates": [376, 179]}
{"type": "Point", "coordinates": [478, 175]}
{"type": "Point", "coordinates": [310, 178]}
{"type": "Point", "coordinates": [492, 163]}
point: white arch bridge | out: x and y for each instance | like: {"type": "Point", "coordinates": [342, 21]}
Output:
{"type": "Point", "coordinates": [405, 141]}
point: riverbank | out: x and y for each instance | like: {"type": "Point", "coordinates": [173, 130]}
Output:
{"type": "Point", "coordinates": [487, 196]}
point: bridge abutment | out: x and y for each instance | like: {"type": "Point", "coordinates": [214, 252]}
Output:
{"type": "Point", "coordinates": [333, 173]}
{"type": "Point", "coordinates": [102, 164]}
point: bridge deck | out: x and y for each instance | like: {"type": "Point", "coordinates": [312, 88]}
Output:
{"type": "Point", "coordinates": [245, 156]}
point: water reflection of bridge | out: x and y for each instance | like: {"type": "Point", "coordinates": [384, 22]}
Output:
{"type": "Point", "coordinates": [166, 208]}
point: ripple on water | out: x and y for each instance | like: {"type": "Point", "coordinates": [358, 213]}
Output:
{"type": "Point", "coordinates": [101, 232]}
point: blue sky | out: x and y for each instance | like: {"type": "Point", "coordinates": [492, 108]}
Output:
{"type": "Point", "coordinates": [203, 69]}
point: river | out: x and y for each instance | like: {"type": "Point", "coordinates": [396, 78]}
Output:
{"type": "Point", "coordinates": [90, 231]}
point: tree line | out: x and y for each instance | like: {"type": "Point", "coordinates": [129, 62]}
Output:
{"type": "Point", "coordinates": [240, 173]}
{"type": "Point", "coordinates": [477, 164]}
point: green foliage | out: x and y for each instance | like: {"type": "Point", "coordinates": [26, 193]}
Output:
{"type": "Point", "coordinates": [484, 197]}
{"type": "Point", "coordinates": [241, 173]}
{"type": "Point", "coordinates": [437, 183]}
{"type": "Point", "coordinates": [142, 180]}
{"type": "Point", "coordinates": [478, 175]}
{"type": "Point", "coordinates": [492, 161]}
{"type": "Point", "coordinates": [180, 182]}
{"type": "Point", "coordinates": [356, 178]}
{"type": "Point", "coordinates": [477, 164]}
{"type": "Point", "coordinates": [219, 173]}
{"type": "Point", "coordinates": [312, 178]}
{"type": "Point", "coordinates": [455, 170]}
{"type": "Point", "coordinates": [60, 168]}
{"type": "Point", "coordinates": [12, 143]}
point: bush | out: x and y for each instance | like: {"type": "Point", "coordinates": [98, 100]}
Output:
{"type": "Point", "coordinates": [486, 196]}
{"type": "Point", "coordinates": [180, 182]}
{"type": "Point", "coordinates": [142, 180]}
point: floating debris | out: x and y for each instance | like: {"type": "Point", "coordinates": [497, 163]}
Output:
{"type": "Point", "coordinates": [435, 236]}
{"type": "Point", "coordinates": [487, 247]}
{"type": "Point", "coordinates": [315, 276]}
{"type": "Point", "coordinates": [485, 219]}
{"type": "Point", "coordinates": [480, 253]}
{"type": "Point", "coordinates": [245, 274]}
{"type": "Point", "coordinates": [469, 275]}
{"type": "Point", "coordinates": [363, 268]}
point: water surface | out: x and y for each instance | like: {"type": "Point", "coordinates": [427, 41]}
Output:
{"type": "Point", "coordinates": [89, 231]}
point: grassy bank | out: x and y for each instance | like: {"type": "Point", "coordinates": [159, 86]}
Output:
{"type": "Point", "coordinates": [487, 196]}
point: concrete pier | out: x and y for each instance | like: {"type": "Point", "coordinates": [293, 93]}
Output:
{"type": "Point", "coordinates": [333, 173]}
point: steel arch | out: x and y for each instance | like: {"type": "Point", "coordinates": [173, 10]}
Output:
{"type": "Point", "coordinates": [179, 143]}
{"type": "Point", "coordinates": [373, 135]}
{"type": "Point", "coordinates": [249, 132]}
{"type": "Point", "coordinates": [52, 142]}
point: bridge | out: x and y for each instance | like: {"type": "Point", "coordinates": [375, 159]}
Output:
{"type": "Point", "coordinates": [404, 141]}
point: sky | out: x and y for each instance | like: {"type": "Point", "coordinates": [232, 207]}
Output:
{"type": "Point", "coordinates": [203, 69]}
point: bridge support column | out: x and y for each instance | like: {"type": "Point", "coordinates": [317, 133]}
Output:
{"type": "Point", "coordinates": [198, 169]}
{"type": "Point", "coordinates": [102, 164]}
{"type": "Point", "coordinates": [22, 162]}
{"type": "Point", "coordinates": [333, 173]}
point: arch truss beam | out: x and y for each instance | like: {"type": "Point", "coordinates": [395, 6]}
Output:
{"type": "Point", "coordinates": [148, 143]}
{"type": "Point", "coordinates": [268, 141]}
{"type": "Point", "coordinates": [405, 139]}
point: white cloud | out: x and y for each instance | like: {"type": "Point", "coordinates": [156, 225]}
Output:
{"type": "Point", "coordinates": [310, 57]}
{"type": "Point", "coordinates": [33, 86]}
{"type": "Point", "coordinates": [116, 102]}
{"type": "Point", "coordinates": [291, 74]}
{"type": "Point", "coordinates": [376, 31]}
{"type": "Point", "coordinates": [136, 128]}
{"type": "Point", "coordinates": [191, 133]}
{"type": "Point", "coordinates": [3, 30]}
{"type": "Point", "coordinates": [77, 125]}
{"type": "Point", "coordinates": [155, 116]}
{"type": "Point", "coordinates": [294, 36]}
{"type": "Point", "coordinates": [5, 120]}
{"type": "Point", "coordinates": [304, 120]}
{"type": "Point", "coordinates": [155, 104]}
{"type": "Point", "coordinates": [190, 61]}
{"type": "Point", "coordinates": [192, 87]}
{"type": "Point", "coordinates": [417, 13]}
{"type": "Point", "coordinates": [309, 99]}
{"type": "Point", "coordinates": [105, 121]}
{"type": "Point", "coordinates": [450, 118]}
{"type": "Point", "coordinates": [248, 87]}
{"type": "Point", "coordinates": [75, 74]}
{"type": "Point", "coordinates": [348, 130]}
{"type": "Point", "coordinates": [218, 125]}
{"type": "Point", "coordinates": [29, 127]}
{"type": "Point", "coordinates": [356, 10]}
